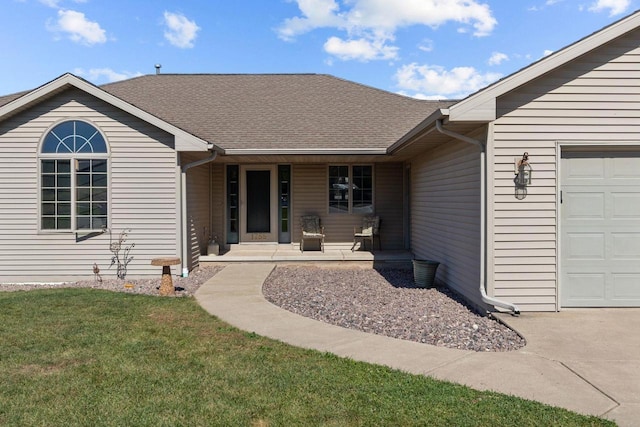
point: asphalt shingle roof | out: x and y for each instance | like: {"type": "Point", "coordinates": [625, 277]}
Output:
{"type": "Point", "coordinates": [276, 111]}
{"type": "Point", "coordinates": [5, 99]}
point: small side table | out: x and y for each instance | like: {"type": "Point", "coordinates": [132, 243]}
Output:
{"type": "Point", "coordinates": [166, 285]}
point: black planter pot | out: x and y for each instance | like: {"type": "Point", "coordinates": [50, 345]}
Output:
{"type": "Point", "coordinates": [424, 272]}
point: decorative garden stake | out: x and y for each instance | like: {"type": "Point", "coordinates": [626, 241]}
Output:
{"type": "Point", "coordinates": [120, 260]}
{"type": "Point", "coordinates": [96, 273]}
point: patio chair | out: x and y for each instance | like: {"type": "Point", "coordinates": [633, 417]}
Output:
{"type": "Point", "coordinates": [311, 229]}
{"type": "Point", "coordinates": [369, 231]}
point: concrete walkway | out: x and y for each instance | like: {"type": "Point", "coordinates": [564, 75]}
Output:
{"type": "Point", "coordinates": [555, 367]}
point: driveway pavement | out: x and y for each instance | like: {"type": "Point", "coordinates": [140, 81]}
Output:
{"type": "Point", "coordinates": [602, 346]}
{"type": "Point", "coordinates": [587, 361]}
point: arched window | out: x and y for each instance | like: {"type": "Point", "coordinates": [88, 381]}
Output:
{"type": "Point", "coordinates": [74, 178]}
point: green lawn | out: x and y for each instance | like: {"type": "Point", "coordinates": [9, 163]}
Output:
{"type": "Point", "coordinates": [91, 358]}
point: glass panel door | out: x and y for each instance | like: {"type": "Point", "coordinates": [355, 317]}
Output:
{"type": "Point", "coordinates": [258, 201]}
{"type": "Point", "coordinates": [258, 204]}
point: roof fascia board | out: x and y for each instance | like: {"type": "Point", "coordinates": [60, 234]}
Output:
{"type": "Point", "coordinates": [482, 105]}
{"type": "Point", "coordinates": [419, 129]}
{"type": "Point", "coordinates": [184, 141]}
{"type": "Point", "coordinates": [308, 151]}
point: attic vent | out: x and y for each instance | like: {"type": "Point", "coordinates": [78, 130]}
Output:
{"type": "Point", "coordinates": [158, 66]}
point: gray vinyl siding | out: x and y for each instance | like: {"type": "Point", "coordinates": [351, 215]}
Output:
{"type": "Point", "coordinates": [310, 196]}
{"type": "Point", "coordinates": [445, 214]}
{"type": "Point", "coordinates": [142, 194]}
{"type": "Point", "coordinates": [594, 99]}
{"type": "Point", "coordinates": [389, 198]}
{"type": "Point", "coordinates": [307, 194]}
{"type": "Point", "coordinates": [198, 207]}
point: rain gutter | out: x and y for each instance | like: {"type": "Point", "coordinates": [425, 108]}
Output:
{"type": "Point", "coordinates": [483, 218]}
{"type": "Point", "coordinates": [304, 151]}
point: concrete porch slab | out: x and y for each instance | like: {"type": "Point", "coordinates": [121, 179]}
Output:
{"type": "Point", "coordinates": [339, 252]}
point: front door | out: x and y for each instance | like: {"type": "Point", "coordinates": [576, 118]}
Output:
{"type": "Point", "coordinates": [259, 211]}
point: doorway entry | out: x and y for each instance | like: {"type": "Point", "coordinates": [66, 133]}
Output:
{"type": "Point", "coordinates": [258, 204]}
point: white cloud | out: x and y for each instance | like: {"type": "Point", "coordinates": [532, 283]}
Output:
{"type": "Point", "coordinates": [547, 52]}
{"type": "Point", "coordinates": [426, 45]}
{"type": "Point", "coordinates": [180, 32]}
{"type": "Point", "coordinates": [104, 75]}
{"type": "Point", "coordinates": [56, 3]}
{"type": "Point", "coordinates": [78, 28]}
{"type": "Point", "coordinates": [387, 16]}
{"type": "Point", "coordinates": [435, 82]}
{"type": "Point", "coordinates": [315, 14]}
{"type": "Point", "coordinates": [498, 58]}
{"type": "Point", "coordinates": [538, 8]}
{"type": "Point", "coordinates": [376, 21]}
{"type": "Point", "coordinates": [360, 49]}
{"type": "Point", "coordinates": [615, 7]}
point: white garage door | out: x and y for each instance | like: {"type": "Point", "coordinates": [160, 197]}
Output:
{"type": "Point", "coordinates": [600, 215]}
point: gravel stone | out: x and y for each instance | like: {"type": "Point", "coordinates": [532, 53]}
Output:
{"type": "Point", "coordinates": [185, 286]}
{"type": "Point", "coordinates": [387, 302]}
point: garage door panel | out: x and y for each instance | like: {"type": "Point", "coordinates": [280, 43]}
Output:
{"type": "Point", "coordinates": [626, 287]}
{"type": "Point", "coordinates": [585, 287]}
{"type": "Point", "coordinates": [625, 246]}
{"type": "Point", "coordinates": [584, 168]}
{"type": "Point", "coordinates": [625, 205]}
{"type": "Point", "coordinates": [600, 223]}
{"type": "Point", "coordinates": [584, 205]}
{"type": "Point", "coordinates": [624, 169]}
{"type": "Point", "coordinates": [583, 246]}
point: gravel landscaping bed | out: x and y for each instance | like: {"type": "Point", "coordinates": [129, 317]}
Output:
{"type": "Point", "coordinates": [387, 302]}
{"type": "Point", "coordinates": [185, 286]}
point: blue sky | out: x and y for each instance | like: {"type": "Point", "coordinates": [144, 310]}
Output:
{"type": "Point", "coordinates": [432, 49]}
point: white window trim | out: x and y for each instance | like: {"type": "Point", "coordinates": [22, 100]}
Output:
{"type": "Point", "coordinates": [73, 157]}
{"type": "Point", "coordinates": [349, 211]}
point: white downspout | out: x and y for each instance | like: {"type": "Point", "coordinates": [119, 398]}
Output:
{"type": "Point", "coordinates": [483, 218]}
{"type": "Point", "coordinates": [183, 207]}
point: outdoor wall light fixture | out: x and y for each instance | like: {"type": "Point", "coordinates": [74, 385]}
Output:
{"type": "Point", "coordinates": [523, 170]}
